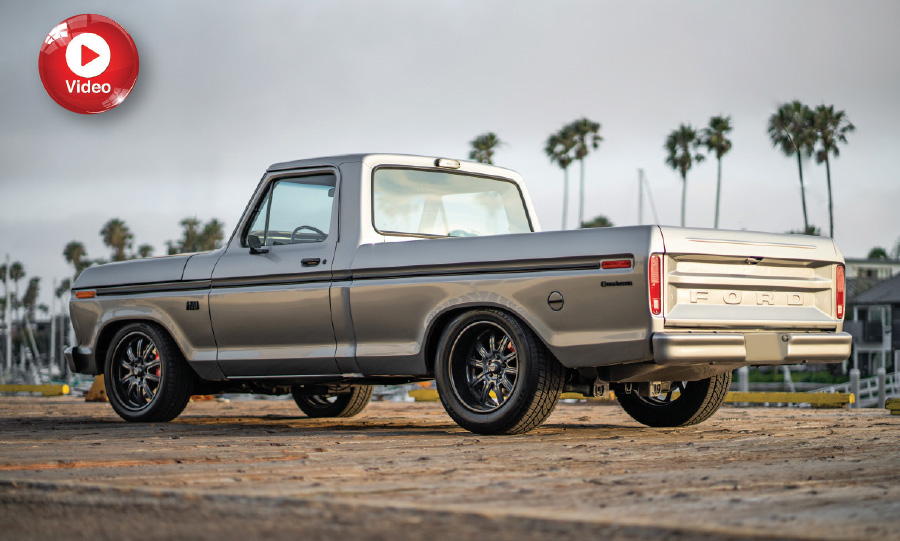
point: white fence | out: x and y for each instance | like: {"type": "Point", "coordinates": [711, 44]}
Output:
{"type": "Point", "coordinates": [869, 393]}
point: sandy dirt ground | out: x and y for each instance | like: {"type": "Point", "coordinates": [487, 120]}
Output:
{"type": "Point", "coordinates": [259, 468]}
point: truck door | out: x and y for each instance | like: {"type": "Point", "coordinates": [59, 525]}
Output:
{"type": "Point", "coordinates": [269, 305]}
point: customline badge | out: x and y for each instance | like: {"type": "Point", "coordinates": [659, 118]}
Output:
{"type": "Point", "coordinates": [88, 64]}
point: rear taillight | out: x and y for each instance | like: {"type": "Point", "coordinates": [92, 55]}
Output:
{"type": "Point", "coordinates": [655, 285]}
{"type": "Point", "coordinates": [839, 286]}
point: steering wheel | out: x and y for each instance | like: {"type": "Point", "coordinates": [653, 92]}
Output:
{"type": "Point", "coordinates": [322, 235]}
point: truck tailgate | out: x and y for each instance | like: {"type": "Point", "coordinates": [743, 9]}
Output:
{"type": "Point", "coordinates": [742, 280]}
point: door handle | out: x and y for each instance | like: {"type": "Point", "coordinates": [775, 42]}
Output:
{"type": "Point", "coordinates": [310, 262]}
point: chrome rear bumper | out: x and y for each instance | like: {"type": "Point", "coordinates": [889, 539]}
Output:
{"type": "Point", "coordinates": [750, 348]}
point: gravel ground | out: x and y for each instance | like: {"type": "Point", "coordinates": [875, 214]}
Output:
{"type": "Point", "coordinates": [228, 470]}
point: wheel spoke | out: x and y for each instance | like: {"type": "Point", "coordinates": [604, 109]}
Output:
{"type": "Point", "coordinates": [133, 390]}
{"type": "Point", "coordinates": [146, 352]}
{"type": "Point", "coordinates": [498, 394]}
{"type": "Point", "coordinates": [152, 377]}
{"type": "Point", "coordinates": [503, 343]}
{"type": "Point", "coordinates": [486, 395]}
{"type": "Point", "coordinates": [482, 351]}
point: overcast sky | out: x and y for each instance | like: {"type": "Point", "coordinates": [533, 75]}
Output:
{"type": "Point", "coordinates": [226, 89]}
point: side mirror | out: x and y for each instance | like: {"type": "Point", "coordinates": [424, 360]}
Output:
{"type": "Point", "coordinates": [256, 246]}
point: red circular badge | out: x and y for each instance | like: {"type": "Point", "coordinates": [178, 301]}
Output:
{"type": "Point", "coordinates": [88, 64]}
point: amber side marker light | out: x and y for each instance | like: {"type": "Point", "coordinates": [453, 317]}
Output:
{"type": "Point", "coordinates": [616, 264]}
{"type": "Point", "coordinates": [85, 294]}
{"type": "Point", "coordinates": [839, 298]}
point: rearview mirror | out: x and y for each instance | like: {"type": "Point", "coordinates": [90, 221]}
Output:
{"type": "Point", "coordinates": [256, 246]}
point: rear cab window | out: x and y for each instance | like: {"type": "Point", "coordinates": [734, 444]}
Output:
{"type": "Point", "coordinates": [426, 203]}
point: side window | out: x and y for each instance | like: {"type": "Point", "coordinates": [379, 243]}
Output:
{"type": "Point", "coordinates": [296, 210]}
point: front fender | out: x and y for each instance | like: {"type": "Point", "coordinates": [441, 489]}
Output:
{"type": "Point", "coordinates": [97, 319]}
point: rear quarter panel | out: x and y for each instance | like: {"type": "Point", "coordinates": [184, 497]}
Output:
{"type": "Point", "coordinates": [400, 290]}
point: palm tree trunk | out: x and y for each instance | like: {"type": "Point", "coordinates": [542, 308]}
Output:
{"type": "Point", "coordinates": [565, 217]}
{"type": "Point", "coordinates": [830, 207]}
{"type": "Point", "coordinates": [718, 192]}
{"type": "Point", "coordinates": [802, 195]}
{"type": "Point", "coordinates": [581, 196]}
{"type": "Point", "coordinates": [683, 195]}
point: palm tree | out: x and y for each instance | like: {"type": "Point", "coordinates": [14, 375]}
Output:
{"type": "Point", "coordinates": [212, 235]}
{"type": "Point", "coordinates": [599, 221]}
{"type": "Point", "coordinates": [483, 147]}
{"type": "Point", "coordinates": [75, 254]}
{"type": "Point", "coordinates": [145, 250]}
{"type": "Point", "coordinates": [117, 236]}
{"type": "Point", "coordinates": [714, 138]}
{"type": "Point", "coordinates": [30, 298]}
{"type": "Point", "coordinates": [681, 154]}
{"type": "Point", "coordinates": [831, 127]}
{"type": "Point", "coordinates": [587, 138]}
{"type": "Point", "coordinates": [559, 149]}
{"type": "Point", "coordinates": [63, 288]}
{"type": "Point", "coordinates": [16, 273]}
{"type": "Point", "coordinates": [791, 130]}
{"type": "Point", "coordinates": [197, 239]}
{"type": "Point", "coordinates": [5, 289]}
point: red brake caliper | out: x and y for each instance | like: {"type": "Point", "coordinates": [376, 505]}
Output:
{"type": "Point", "coordinates": [158, 368]}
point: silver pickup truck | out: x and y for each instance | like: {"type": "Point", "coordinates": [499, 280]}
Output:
{"type": "Point", "coordinates": [351, 271]}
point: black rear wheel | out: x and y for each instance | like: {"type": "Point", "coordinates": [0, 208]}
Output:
{"type": "Point", "coordinates": [147, 378]}
{"type": "Point", "coordinates": [685, 403]}
{"type": "Point", "coordinates": [346, 404]}
{"type": "Point", "coordinates": [494, 376]}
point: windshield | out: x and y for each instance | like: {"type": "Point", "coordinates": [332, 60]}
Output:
{"type": "Point", "coordinates": [440, 204]}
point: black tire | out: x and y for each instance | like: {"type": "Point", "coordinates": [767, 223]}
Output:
{"type": "Point", "coordinates": [147, 378]}
{"type": "Point", "coordinates": [697, 402]}
{"type": "Point", "coordinates": [334, 405]}
{"type": "Point", "coordinates": [488, 351]}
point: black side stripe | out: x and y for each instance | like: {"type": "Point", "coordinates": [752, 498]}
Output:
{"type": "Point", "coordinates": [448, 269]}
{"type": "Point", "coordinates": [153, 287]}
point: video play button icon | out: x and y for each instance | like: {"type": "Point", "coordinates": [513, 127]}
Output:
{"type": "Point", "coordinates": [88, 55]}
{"type": "Point", "coordinates": [88, 64]}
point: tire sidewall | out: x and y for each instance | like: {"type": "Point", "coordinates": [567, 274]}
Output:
{"type": "Point", "coordinates": [512, 409]}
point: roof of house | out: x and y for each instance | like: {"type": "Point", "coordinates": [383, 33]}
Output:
{"type": "Point", "coordinates": [884, 292]}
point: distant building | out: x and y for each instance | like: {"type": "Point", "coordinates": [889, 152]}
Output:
{"type": "Point", "coordinates": [864, 273]}
{"type": "Point", "coordinates": [874, 323]}
{"type": "Point", "coordinates": [879, 269]}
